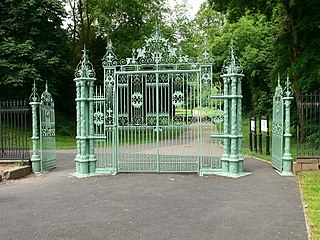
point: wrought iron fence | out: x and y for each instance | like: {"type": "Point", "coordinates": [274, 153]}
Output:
{"type": "Point", "coordinates": [308, 132]}
{"type": "Point", "coordinates": [13, 130]}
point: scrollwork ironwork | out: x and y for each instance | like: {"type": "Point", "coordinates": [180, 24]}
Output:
{"type": "Point", "coordinates": [232, 64]}
{"type": "Point", "coordinates": [85, 68]}
{"type": "Point", "coordinates": [136, 99]}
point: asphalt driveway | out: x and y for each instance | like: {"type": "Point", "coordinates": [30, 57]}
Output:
{"type": "Point", "coordinates": [57, 205]}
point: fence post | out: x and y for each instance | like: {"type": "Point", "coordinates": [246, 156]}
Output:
{"type": "Point", "coordinates": [35, 158]}
{"type": "Point", "coordinates": [287, 157]}
{"type": "Point", "coordinates": [260, 136]}
{"type": "Point", "coordinates": [268, 137]}
{"type": "Point", "coordinates": [250, 134]}
{"type": "Point", "coordinates": [255, 143]}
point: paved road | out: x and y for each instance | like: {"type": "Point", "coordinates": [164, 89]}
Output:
{"type": "Point", "coordinates": [151, 206]}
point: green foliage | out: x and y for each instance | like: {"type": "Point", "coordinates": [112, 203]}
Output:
{"type": "Point", "coordinates": [296, 43]}
{"type": "Point", "coordinates": [252, 38]}
{"type": "Point", "coordinates": [125, 22]}
{"type": "Point", "coordinates": [65, 125]}
{"type": "Point", "coordinates": [33, 46]}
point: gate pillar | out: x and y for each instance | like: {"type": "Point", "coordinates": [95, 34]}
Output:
{"type": "Point", "coordinates": [84, 77]}
{"type": "Point", "coordinates": [232, 158]}
{"type": "Point", "coordinates": [287, 157]}
{"type": "Point", "coordinates": [35, 158]}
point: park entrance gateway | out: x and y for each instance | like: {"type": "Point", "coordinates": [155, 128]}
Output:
{"type": "Point", "coordinates": [154, 113]}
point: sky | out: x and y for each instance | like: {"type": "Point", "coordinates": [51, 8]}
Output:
{"type": "Point", "coordinates": [195, 5]}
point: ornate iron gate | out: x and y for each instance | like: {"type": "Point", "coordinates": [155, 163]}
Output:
{"type": "Point", "coordinates": [45, 134]}
{"type": "Point", "coordinates": [158, 120]}
{"type": "Point", "coordinates": [282, 161]}
{"type": "Point", "coordinates": [156, 113]}
{"type": "Point", "coordinates": [277, 129]}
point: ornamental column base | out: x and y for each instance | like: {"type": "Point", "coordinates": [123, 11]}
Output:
{"type": "Point", "coordinates": [36, 164]}
{"type": "Point", "coordinates": [287, 162]}
{"type": "Point", "coordinates": [224, 164]}
{"type": "Point", "coordinates": [82, 165]}
{"type": "Point", "coordinates": [233, 167]}
{"type": "Point", "coordinates": [92, 164]}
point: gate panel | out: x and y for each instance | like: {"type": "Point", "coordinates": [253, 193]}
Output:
{"type": "Point", "coordinates": [178, 128]}
{"type": "Point", "coordinates": [47, 132]}
{"type": "Point", "coordinates": [136, 123]}
{"type": "Point", "coordinates": [277, 129]}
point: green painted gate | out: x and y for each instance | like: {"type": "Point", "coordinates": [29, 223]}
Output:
{"type": "Point", "coordinates": [155, 113]}
{"type": "Point", "coordinates": [47, 132]}
{"type": "Point", "coordinates": [281, 154]}
{"type": "Point", "coordinates": [277, 129]}
{"type": "Point", "coordinates": [43, 131]}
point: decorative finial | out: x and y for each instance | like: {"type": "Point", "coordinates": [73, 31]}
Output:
{"type": "Point", "coordinates": [232, 64]}
{"type": "Point", "coordinates": [46, 97]}
{"type": "Point", "coordinates": [205, 57]}
{"type": "Point", "coordinates": [34, 97]}
{"type": "Point", "coordinates": [109, 59]}
{"type": "Point", "coordinates": [288, 93]}
{"type": "Point", "coordinates": [85, 68]}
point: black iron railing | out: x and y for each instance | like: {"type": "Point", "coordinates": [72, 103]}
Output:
{"type": "Point", "coordinates": [308, 129]}
{"type": "Point", "coordinates": [14, 130]}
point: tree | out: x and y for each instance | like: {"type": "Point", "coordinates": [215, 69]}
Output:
{"type": "Point", "coordinates": [298, 35]}
{"type": "Point", "coordinates": [125, 22]}
{"type": "Point", "coordinates": [33, 46]}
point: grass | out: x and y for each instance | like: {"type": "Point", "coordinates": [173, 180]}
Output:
{"type": "Point", "coordinates": [65, 142]}
{"type": "Point", "coordinates": [246, 144]}
{"type": "Point", "coordinates": [310, 188]}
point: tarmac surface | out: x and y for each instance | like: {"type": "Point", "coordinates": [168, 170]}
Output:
{"type": "Point", "coordinates": [57, 205]}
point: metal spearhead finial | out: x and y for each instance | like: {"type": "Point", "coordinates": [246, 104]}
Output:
{"type": "Point", "coordinates": [288, 92]}
{"type": "Point", "coordinates": [85, 68]}
{"type": "Point", "coordinates": [109, 59]}
{"type": "Point", "coordinates": [34, 97]}
{"type": "Point", "coordinates": [232, 64]}
{"type": "Point", "coordinates": [205, 56]}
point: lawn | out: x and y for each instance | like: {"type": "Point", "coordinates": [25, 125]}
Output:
{"type": "Point", "coordinates": [310, 188]}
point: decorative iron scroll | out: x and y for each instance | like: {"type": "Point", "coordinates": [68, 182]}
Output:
{"type": "Point", "coordinates": [98, 118]}
{"type": "Point", "coordinates": [137, 100]}
{"type": "Point", "coordinates": [177, 98]}
{"type": "Point", "coordinates": [46, 98]}
{"type": "Point", "coordinates": [85, 68]}
{"type": "Point", "coordinates": [109, 59]}
{"type": "Point", "coordinates": [48, 131]}
{"type": "Point", "coordinates": [205, 56]}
